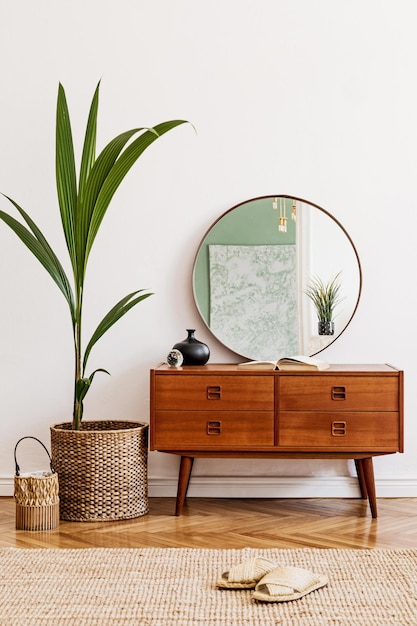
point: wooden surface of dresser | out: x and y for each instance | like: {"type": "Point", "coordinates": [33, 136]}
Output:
{"type": "Point", "coordinates": [348, 411]}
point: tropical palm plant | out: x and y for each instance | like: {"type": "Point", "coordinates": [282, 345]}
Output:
{"type": "Point", "coordinates": [83, 201]}
{"type": "Point", "coordinates": [325, 297]}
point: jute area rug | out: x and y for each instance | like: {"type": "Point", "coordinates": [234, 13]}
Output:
{"type": "Point", "coordinates": [176, 587]}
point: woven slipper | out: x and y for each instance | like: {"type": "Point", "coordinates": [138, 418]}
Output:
{"type": "Point", "coordinates": [245, 575]}
{"type": "Point", "coordinates": [287, 583]}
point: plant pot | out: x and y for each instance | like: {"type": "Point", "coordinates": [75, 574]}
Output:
{"type": "Point", "coordinates": [326, 328]}
{"type": "Point", "coordinates": [102, 470]}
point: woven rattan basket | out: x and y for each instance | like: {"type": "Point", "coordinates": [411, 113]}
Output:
{"type": "Point", "coordinates": [102, 470]}
{"type": "Point", "coordinates": [36, 496]}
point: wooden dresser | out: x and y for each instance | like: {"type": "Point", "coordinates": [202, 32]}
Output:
{"type": "Point", "coordinates": [345, 412]}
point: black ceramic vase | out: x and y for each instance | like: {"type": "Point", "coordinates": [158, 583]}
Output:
{"type": "Point", "coordinates": [326, 328]}
{"type": "Point", "coordinates": [195, 352]}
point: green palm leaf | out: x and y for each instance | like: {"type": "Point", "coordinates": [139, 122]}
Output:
{"type": "Point", "coordinates": [118, 172]}
{"type": "Point", "coordinates": [120, 309]}
{"type": "Point", "coordinates": [66, 179]}
{"type": "Point", "coordinates": [89, 149]}
{"type": "Point", "coordinates": [84, 384]}
{"type": "Point", "coordinates": [39, 246]}
{"type": "Point", "coordinates": [90, 189]}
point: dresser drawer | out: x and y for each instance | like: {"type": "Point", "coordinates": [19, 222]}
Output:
{"type": "Point", "coordinates": [338, 393]}
{"type": "Point", "coordinates": [214, 393]}
{"type": "Point", "coordinates": [371, 431]}
{"type": "Point", "coordinates": [181, 430]}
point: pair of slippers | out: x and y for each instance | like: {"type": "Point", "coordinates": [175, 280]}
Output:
{"type": "Point", "coordinates": [271, 582]}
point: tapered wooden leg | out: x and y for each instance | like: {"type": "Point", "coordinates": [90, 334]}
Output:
{"type": "Point", "coordinates": [186, 465]}
{"type": "Point", "coordinates": [361, 478]}
{"type": "Point", "coordinates": [368, 471]}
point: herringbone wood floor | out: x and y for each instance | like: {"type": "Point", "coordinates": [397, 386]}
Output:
{"type": "Point", "coordinates": [234, 523]}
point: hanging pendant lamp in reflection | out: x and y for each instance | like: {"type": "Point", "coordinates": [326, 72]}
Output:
{"type": "Point", "coordinates": [294, 211]}
{"type": "Point", "coordinates": [282, 220]}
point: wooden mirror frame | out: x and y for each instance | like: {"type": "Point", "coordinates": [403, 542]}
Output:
{"type": "Point", "coordinates": [201, 258]}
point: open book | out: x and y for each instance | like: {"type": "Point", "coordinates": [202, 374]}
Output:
{"type": "Point", "coordinates": [298, 362]}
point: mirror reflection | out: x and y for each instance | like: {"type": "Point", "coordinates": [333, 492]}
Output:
{"type": "Point", "coordinates": [254, 266]}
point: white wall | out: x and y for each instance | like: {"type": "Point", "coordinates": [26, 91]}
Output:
{"type": "Point", "coordinates": [314, 99]}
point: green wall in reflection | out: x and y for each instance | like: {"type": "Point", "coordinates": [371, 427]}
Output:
{"type": "Point", "coordinates": [251, 223]}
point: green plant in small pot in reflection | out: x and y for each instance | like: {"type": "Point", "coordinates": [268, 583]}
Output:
{"type": "Point", "coordinates": [325, 297]}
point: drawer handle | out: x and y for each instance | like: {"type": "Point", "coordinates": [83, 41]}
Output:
{"type": "Point", "coordinates": [338, 429]}
{"type": "Point", "coordinates": [214, 392]}
{"type": "Point", "coordinates": [214, 428]}
{"type": "Point", "coordinates": [338, 393]}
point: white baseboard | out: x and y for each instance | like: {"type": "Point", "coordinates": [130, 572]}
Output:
{"type": "Point", "coordinates": [268, 487]}
{"type": "Point", "coordinates": [6, 486]}
{"type": "Point", "coordinates": [282, 487]}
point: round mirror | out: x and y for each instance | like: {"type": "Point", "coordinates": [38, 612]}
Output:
{"type": "Point", "coordinates": [264, 269]}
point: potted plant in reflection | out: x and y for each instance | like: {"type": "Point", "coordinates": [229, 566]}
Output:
{"type": "Point", "coordinates": [325, 297]}
{"type": "Point", "coordinates": [83, 200]}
